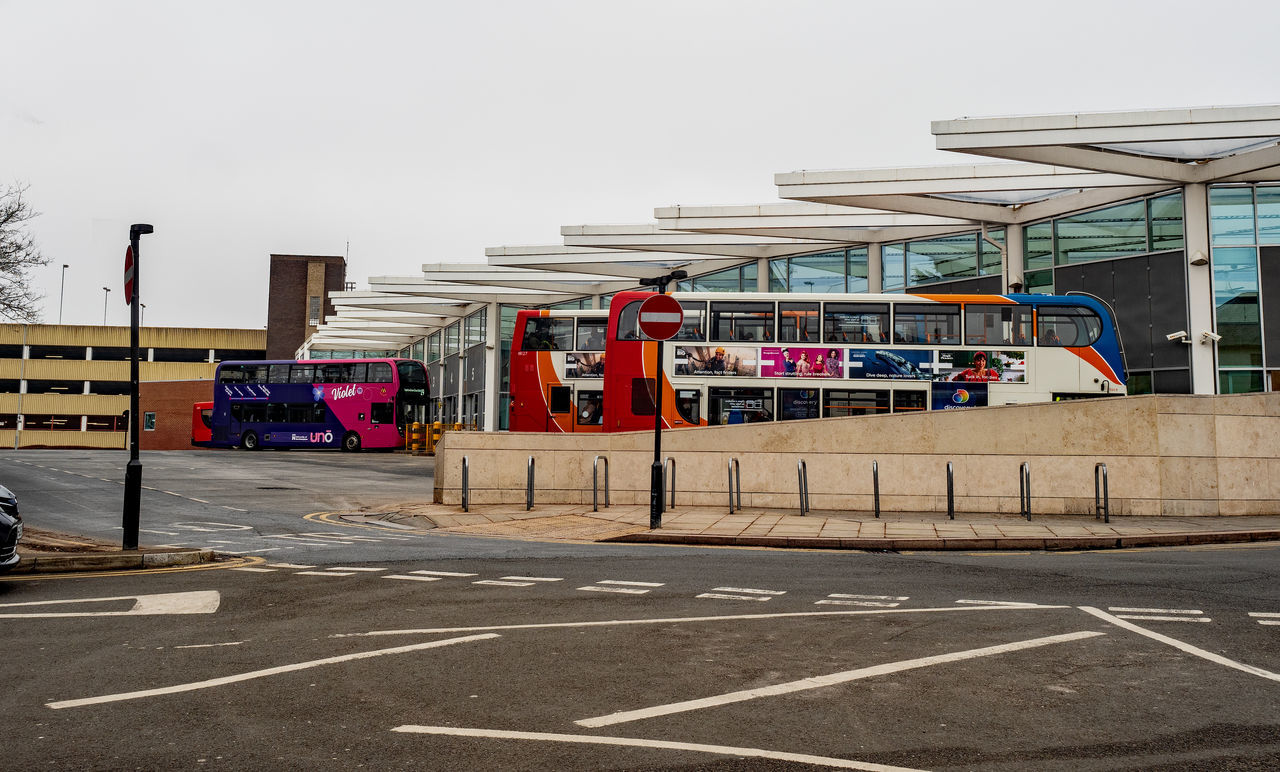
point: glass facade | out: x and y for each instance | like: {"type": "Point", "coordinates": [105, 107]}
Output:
{"type": "Point", "coordinates": [740, 278]}
{"type": "Point", "coordinates": [1242, 218]}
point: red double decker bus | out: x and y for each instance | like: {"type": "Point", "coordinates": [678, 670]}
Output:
{"type": "Point", "coordinates": [557, 371]}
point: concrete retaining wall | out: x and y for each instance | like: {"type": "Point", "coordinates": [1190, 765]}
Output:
{"type": "Point", "coordinates": [1166, 455]}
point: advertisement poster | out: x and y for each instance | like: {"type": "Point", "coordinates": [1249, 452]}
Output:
{"type": "Point", "coordinates": [794, 404]}
{"type": "Point", "coordinates": [950, 395]}
{"type": "Point", "coordinates": [902, 364]}
{"type": "Point", "coordinates": [801, 362]}
{"type": "Point", "coordinates": [578, 365]}
{"type": "Point", "coordinates": [982, 366]}
{"type": "Point", "coordinates": [715, 360]}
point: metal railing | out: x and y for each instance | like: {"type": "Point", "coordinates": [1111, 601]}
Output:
{"type": "Point", "coordinates": [528, 487]}
{"type": "Point", "coordinates": [951, 492]}
{"type": "Point", "coordinates": [595, 469]}
{"type": "Point", "coordinates": [802, 472]}
{"type": "Point", "coordinates": [1101, 494]}
{"type": "Point", "coordinates": [669, 480]}
{"type": "Point", "coordinates": [1024, 490]}
{"type": "Point", "coordinates": [466, 485]}
{"type": "Point", "coordinates": [875, 484]}
{"type": "Point", "coordinates": [735, 473]}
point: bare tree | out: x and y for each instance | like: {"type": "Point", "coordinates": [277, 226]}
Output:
{"type": "Point", "coordinates": [18, 256]}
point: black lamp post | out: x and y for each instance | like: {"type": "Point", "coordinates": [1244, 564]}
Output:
{"type": "Point", "coordinates": [655, 474]}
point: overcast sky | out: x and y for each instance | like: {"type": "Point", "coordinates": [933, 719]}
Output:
{"type": "Point", "coordinates": [424, 132]}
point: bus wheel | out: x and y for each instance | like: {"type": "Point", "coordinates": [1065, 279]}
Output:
{"type": "Point", "coordinates": [351, 442]}
{"type": "Point", "coordinates": [249, 441]}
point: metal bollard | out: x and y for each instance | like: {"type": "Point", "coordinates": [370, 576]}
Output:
{"type": "Point", "coordinates": [669, 482]}
{"type": "Point", "coordinates": [802, 471]}
{"type": "Point", "coordinates": [528, 487]}
{"type": "Point", "coordinates": [466, 485]}
{"type": "Point", "coordinates": [733, 465]}
{"type": "Point", "coordinates": [594, 488]}
{"type": "Point", "coordinates": [1101, 497]}
{"type": "Point", "coordinates": [875, 484]}
{"type": "Point", "coordinates": [951, 492]}
{"type": "Point", "coordinates": [1024, 490]}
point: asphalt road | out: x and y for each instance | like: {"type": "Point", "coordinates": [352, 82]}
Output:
{"type": "Point", "coordinates": [532, 656]}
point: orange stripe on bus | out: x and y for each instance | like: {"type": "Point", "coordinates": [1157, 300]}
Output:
{"type": "Point", "coordinates": [1094, 358]}
{"type": "Point", "coordinates": [983, 299]}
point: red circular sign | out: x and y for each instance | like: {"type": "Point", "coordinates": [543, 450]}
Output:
{"type": "Point", "coordinates": [128, 275]}
{"type": "Point", "coordinates": [661, 317]}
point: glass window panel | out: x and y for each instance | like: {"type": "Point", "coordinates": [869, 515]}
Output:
{"type": "Point", "coordinates": [1231, 215]}
{"type": "Point", "coordinates": [1038, 281]}
{"type": "Point", "coordinates": [798, 322]}
{"type": "Point", "coordinates": [1111, 232]}
{"type": "Point", "coordinates": [739, 406]}
{"type": "Point", "coordinates": [908, 401]}
{"type": "Point", "coordinates": [997, 325]}
{"type": "Point", "coordinates": [818, 273]}
{"type": "Point", "coordinates": [1235, 297]}
{"type": "Point", "coordinates": [379, 372]}
{"type": "Point", "coordinates": [892, 266]}
{"type": "Point", "coordinates": [778, 272]}
{"type": "Point", "coordinates": [1038, 245]}
{"type": "Point", "coordinates": [742, 322]}
{"type": "Point", "coordinates": [847, 402]}
{"type": "Point", "coordinates": [451, 341]}
{"type": "Point", "coordinates": [694, 326]}
{"type": "Point", "coordinates": [590, 408]}
{"type": "Point", "coordinates": [576, 304]}
{"type": "Point", "coordinates": [302, 373]}
{"type": "Point", "coordinates": [748, 277]}
{"type": "Point", "coordinates": [475, 329]}
{"type": "Point", "coordinates": [1239, 381]}
{"type": "Point", "coordinates": [688, 405]}
{"type": "Point", "coordinates": [926, 323]}
{"type": "Point", "coordinates": [1268, 214]}
{"type": "Point", "coordinates": [990, 263]}
{"type": "Point", "coordinates": [728, 280]}
{"type": "Point", "coordinates": [433, 346]}
{"type": "Point", "coordinates": [857, 270]}
{"type": "Point", "coordinates": [1165, 216]}
{"type": "Point", "coordinates": [798, 404]}
{"type": "Point", "coordinates": [1139, 383]}
{"type": "Point", "coordinates": [1066, 326]}
{"type": "Point", "coordinates": [544, 333]}
{"type": "Point", "coordinates": [856, 323]}
{"type": "Point", "coordinates": [591, 334]}
{"type": "Point", "coordinates": [943, 258]}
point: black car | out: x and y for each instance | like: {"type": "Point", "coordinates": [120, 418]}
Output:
{"type": "Point", "coordinates": [10, 529]}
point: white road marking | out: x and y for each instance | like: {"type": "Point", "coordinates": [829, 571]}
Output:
{"type": "Point", "coordinates": [996, 603]}
{"type": "Point", "coordinates": [288, 565]}
{"type": "Point", "coordinates": [500, 583]}
{"type": "Point", "coordinates": [202, 501]}
{"type": "Point", "coordinates": [162, 533]}
{"type": "Point", "coordinates": [749, 591]}
{"type": "Point", "coordinates": [1265, 614]}
{"type": "Point", "coordinates": [1188, 648]}
{"type": "Point", "coordinates": [196, 602]}
{"type": "Point", "coordinates": [305, 539]}
{"type": "Point", "coordinates": [833, 679]}
{"type": "Point", "coordinates": [1269, 621]}
{"type": "Point", "coordinates": [256, 569]}
{"type": "Point", "coordinates": [357, 570]}
{"type": "Point", "coordinates": [868, 597]}
{"type": "Point", "coordinates": [871, 603]}
{"type": "Point", "coordinates": [208, 645]}
{"type": "Point", "coordinates": [630, 584]}
{"type": "Point", "coordinates": [1159, 618]}
{"type": "Point", "coordinates": [534, 578]}
{"type": "Point", "coordinates": [235, 509]}
{"type": "Point", "coordinates": [249, 552]}
{"type": "Point", "coordinates": [726, 596]}
{"type": "Point", "coordinates": [634, 742]}
{"type": "Point", "coordinates": [622, 590]}
{"type": "Point", "coordinates": [441, 573]}
{"type": "Point", "coordinates": [325, 573]}
{"type": "Point", "coordinates": [675, 620]}
{"type": "Point", "coordinates": [1119, 609]}
{"type": "Point", "coordinates": [190, 687]}
{"type": "Point", "coordinates": [413, 578]}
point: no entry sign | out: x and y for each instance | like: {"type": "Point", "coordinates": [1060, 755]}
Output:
{"type": "Point", "coordinates": [128, 274]}
{"type": "Point", "coordinates": [661, 317]}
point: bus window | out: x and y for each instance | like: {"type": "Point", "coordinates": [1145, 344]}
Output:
{"type": "Point", "coordinates": [302, 373]}
{"type": "Point", "coordinates": [695, 321]}
{"type": "Point", "coordinates": [278, 373]}
{"type": "Point", "coordinates": [232, 374]}
{"type": "Point", "coordinates": [277, 412]}
{"type": "Point", "coordinates": [795, 404]}
{"type": "Point", "coordinates": [560, 399]}
{"type": "Point", "coordinates": [206, 417]}
{"type": "Point", "coordinates": [798, 322]}
{"type": "Point", "coordinates": [847, 402]}
{"type": "Point", "coordinates": [591, 334]}
{"type": "Point", "coordinates": [334, 373]}
{"type": "Point", "coordinates": [546, 334]}
{"type": "Point", "coordinates": [359, 372]}
{"type": "Point", "coordinates": [997, 325]}
{"type": "Point", "coordinates": [590, 408]}
{"type": "Point", "coordinates": [739, 406]}
{"type": "Point", "coordinates": [688, 405]}
{"type": "Point", "coordinates": [856, 323]}
{"type": "Point", "coordinates": [1068, 326]}
{"type": "Point", "coordinates": [909, 401]}
{"type": "Point", "coordinates": [642, 396]}
{"type": "Point", "coordinates": [935, 323]}
{"type": "Point", "coordinates": [381, 413]}
{"type": "Point", "coordinates": [379, 372]}
{"type": "Point", "coordinates": [742, 322]}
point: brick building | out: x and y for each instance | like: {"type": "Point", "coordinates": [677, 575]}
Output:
{"type": "Point", "coordinates": [298, 299]}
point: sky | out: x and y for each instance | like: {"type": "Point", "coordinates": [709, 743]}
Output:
{"type": "Point", "coordinates": [424, 132]}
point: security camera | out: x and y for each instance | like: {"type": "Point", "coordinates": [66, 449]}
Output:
{"type": "Point", "coordinates": [1207, 336]}
{"type": "Point", "coordinates": [1179, 335]}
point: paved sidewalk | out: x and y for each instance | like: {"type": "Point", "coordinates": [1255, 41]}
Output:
{"type": "Point", "coordinates": [830, 530]}
{"type": "Point", "coordinates": [45, 552]}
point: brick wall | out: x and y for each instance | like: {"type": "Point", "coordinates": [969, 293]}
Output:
{"type": "Point", "coordinates": [287, 299]}
{"type": "Point", "coordinates": [171, 401]}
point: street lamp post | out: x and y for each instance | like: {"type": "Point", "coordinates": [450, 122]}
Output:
{"type": "Point", "coordinates": [133, 471]}
{"type": "Point", "coordinates": [106, 293]}
{"type": "Point", "coordinates": [656, 493]}
{"type": "Point", "coordinates": [142, 315]}
{"type": "Point", "coordinates": [62, 290]}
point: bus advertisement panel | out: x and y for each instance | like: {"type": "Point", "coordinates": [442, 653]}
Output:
{"type": "Point", "coordinates": [349, 404]}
